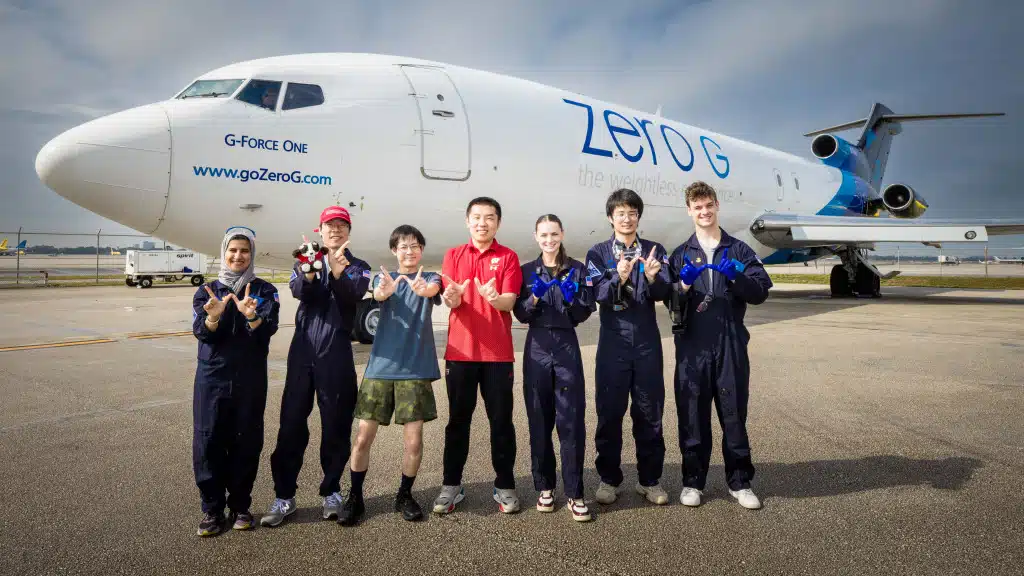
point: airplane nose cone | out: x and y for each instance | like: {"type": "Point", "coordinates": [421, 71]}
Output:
{"type": "Point", "coordinates": [117, 166]}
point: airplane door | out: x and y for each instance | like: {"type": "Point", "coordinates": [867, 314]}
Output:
{"type": "Point", "coordinates": [780, 187]}
{"type": "Point", "coordinates": [444, 127]}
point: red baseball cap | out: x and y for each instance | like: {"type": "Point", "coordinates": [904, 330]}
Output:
{"type": "Point", "coordinates": [332, 212]}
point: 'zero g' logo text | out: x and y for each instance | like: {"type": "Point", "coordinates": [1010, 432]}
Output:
{"type": "Point", "coordinates": [677, 145]}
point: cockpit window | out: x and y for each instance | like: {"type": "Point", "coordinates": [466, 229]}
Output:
{"type": "Point", "coordinates": [302, 96]}
{"type": "Point", "coordinates": [211, 88]}
{"type": "Point", "coordinates": [262, 93]}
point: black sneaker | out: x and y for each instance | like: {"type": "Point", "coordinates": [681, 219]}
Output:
{"type": "Point", "coordinates": [211, 525]}
{"type": "Point", "coordinates": [351, 511]}
{"type": "Point", "coordinates": [244, 521]}
{"type": "Point", "coordinates": [407, 505]}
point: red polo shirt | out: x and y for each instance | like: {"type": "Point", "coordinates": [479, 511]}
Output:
{"type": "Point", "coordinates": [477, 331]}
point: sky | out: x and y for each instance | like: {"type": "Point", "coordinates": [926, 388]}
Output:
{"type": "Point", "coordinates": [764, 71]}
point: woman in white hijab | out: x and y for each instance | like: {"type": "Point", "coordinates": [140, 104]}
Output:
{"type": "Point", "coordinates": [234, 318]}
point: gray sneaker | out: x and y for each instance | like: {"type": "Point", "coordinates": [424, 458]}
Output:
{"type": "Point", "coordinates": [279, 510]}
{"type": "Point", "coordinates": [331, 505]}
{"type": "Point", "coordinates": [448, 498]}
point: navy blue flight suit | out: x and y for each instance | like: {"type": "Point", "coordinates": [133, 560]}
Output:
{"type": "Point", "coordinates": [712, 361]}
{"type": "Point", "coordinates": [629, 359]}
{"type": "Point", "coordinates": [554, 385]}
{"type": "Point", "coordinates": [230, 395]}
{"type": "Point", "coordinates": [320, 363]}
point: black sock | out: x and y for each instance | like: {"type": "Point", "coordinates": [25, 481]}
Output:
{"type": "Point", "coordinates": [406, 486]}
{"type": "Point", "coordinates": [357, 483]}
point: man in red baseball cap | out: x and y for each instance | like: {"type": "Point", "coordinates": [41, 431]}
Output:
{"type": "Point", "coordinates": [320, 363]}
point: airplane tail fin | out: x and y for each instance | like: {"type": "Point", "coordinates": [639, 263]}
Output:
{"type": "Point", "coordinates": [3, 245]}
{"type": "Point", "coordinates": [875, 139]}
{"type": "Point", "coordinates": [22, 245]}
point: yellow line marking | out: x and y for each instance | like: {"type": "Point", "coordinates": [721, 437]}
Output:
{"type": "Point", "coordinates": [57, 344]}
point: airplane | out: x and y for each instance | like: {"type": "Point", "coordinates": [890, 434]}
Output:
{"type": "Point", "coordinates": [1018, 260]}
{"type": "Point", "coordinates": [19, 249]}
{"type": "Point", "coordinates": [268, 143]}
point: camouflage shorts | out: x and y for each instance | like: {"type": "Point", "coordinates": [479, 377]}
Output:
{"type": "Point", "coordinates": [410, 400]}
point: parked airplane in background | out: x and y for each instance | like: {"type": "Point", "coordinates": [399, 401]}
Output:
{"type": "Point", "coordinates": [20, 248]}
{"type": "Point", "coordinates": [999, 260]}
{"type": "Point", "coordinates": [269, 143]}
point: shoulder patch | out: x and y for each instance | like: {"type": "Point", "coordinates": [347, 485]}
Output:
{"type": "Point", "coordinates": [277, 297]}
{"type": "Point", "coordinates": [592, 271]}
{"type": "Point", "coordinates": [366, 273]}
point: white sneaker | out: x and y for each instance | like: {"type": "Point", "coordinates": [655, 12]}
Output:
{"type": "Point", "coordinates": [655, 494]}
{"type": "Point", "coordinates": [606, 493]}
{"type": "Point", "coordinates": [508, 501]}
{"type": "Point", "coordinates": [746, 498]}
{"type": "Point", "coordinates": [578, 509]}
{"type": "Point", "coordinates": [546, 501]}
{"type": "Point", "coordinates": [690, 497]}
{"type": "Point", "coordinates": [331, 505]}
{"type": "Point", "coordinates": [448, 498]}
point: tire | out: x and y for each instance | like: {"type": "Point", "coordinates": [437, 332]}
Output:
{"type": "Point", "coordinates": [145, 282]}
{"type": "Point", "coordinates": [129, 282]}
{"type": "Point", "coordinates": [367, 316]}
{"type": "Point", "coordinates": [197, 280]}
{"type": "Point", "coordinates": [839, 282]}
{"type": "Point", "coordinates": [868, 284]}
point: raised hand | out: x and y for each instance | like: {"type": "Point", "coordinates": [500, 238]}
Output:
{"type": "Point", "coordinates": [387, 284]}
{"type": "Point", "coordinates": [453, 292]}
{"type": "Point", "coordinates": [651, 265]}
{"type": "Point", "coordinates": [418, 284]}
{"type": "Point", "coordinates": [729, 267]}
{"type": "Point", "coordinates": [247, 305]}
{"type": "Point", "coordinates": [624, 268]}
{"type": "Point", "coordinates": [488, 290]}
{"type": "Point", "coordinates": [338, 256]}
{"type": "Point", "coordinates": [569, 287]}
{"type": "Point", "coordinates": [690, 273]}
{"type": "Point", "coordinates": [214, 307]}
{"type": "Point", "coordinates": [541, 287]}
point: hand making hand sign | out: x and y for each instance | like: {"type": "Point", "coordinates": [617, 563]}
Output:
{"type": "Point", "coordinates": [387, 285]}
{"type": "Point", "coordinates": [651, 265]}
{"type": "Point", "coordinates": [624, 268]}
{"type": "Point", "coordinates": [488, 290]}
{"type": "Point", "coordinates": [419, 285]}
{"type": "Point", "coordinates": [338, 260]}
{"type": "Point", "coordinates": [452, 295]}
{"type": "Point", "coordinates": [247, 305]}
{"type": "Point", "coordinates": [214, 307]}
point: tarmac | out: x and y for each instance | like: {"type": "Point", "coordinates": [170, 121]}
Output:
{"type": "Point", "coordinates": [887, 436]}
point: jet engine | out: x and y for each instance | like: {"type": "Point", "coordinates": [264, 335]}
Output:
{"type": "Point", "coordinates": [902, 201]}
{"type": "Point", "coordinates": [836, 152]}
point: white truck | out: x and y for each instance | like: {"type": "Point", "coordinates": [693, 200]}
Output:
{"type": "Point", "coordinates": [949, 260]}
{"type": "Point", "coordinates": [141, 267]}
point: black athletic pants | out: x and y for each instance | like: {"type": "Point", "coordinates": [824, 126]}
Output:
{"type": "Point", "coordinates": [495, 383]}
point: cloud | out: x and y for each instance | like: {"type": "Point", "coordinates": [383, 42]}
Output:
{"type": "Point", "coordinates": [765, 72]}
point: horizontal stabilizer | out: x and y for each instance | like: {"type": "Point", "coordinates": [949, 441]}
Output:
{"type": "Point", "coordinates": [795, 231]}
{"type": "Point", "coordinates": [902, 118]}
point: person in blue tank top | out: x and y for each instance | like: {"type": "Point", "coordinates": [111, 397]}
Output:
{"type": "Point", "coordinates": [399, 375]}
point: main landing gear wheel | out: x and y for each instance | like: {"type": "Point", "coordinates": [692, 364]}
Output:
{"type": "Point", "coordinates": [367, 317]}
{"type": "Point", "coordinates": [865, 283]}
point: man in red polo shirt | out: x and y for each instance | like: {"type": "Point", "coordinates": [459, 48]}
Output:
{"type": "Point", "coordinates": [481, 281]}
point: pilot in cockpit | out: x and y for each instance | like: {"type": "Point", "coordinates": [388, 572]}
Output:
{"type": "Point", "coordinates": [269, 100]}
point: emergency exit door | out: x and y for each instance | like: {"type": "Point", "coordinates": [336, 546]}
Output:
{"type": "Point", "coordinates": [444, 128]}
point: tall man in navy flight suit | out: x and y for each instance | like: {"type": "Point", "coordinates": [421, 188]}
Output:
{"type": "Point", "coordinates": [714, 276]}
{"type": "Point", "coordinates": [320, 363]}
{"type": "Point", "coordinates": [628, 279]}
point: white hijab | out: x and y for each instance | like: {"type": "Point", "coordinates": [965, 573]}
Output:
{"type": "Point", "coordinates": [237, 280]}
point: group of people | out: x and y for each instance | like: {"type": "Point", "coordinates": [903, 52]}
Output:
{"type": "Point", "coordinates": [706, 283]}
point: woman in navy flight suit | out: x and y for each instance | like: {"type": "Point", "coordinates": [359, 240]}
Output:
{"type": "Point", "coordinates": [233, 318]}
{"type": "Point", "coordinates": [553, 303]}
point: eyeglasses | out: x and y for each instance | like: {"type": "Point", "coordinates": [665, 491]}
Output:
{"type": "Point", "coordinates": [620, 216]}
{"type": "Point", "coordinates": [704, 303]}
{"type": "Point", "coordinates": [413, 248]}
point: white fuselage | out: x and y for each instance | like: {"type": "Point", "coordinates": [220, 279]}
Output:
{"type": "Point", "coordinates": [385, 146]}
